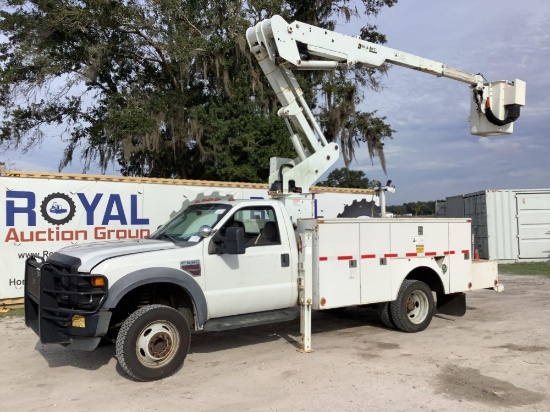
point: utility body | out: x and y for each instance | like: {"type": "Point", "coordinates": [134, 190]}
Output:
{"type": "Point", "coordinates": [232, 263]}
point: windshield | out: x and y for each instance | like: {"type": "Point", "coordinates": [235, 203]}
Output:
{"type": "Point", "coordinates": [185, 225]}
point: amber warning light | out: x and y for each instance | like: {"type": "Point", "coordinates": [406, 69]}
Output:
{"type": "Point", "coordinates": [98, 281]}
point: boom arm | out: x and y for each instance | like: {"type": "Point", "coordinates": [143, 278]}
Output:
{"type": "Point", "coordinates": [281, 47]}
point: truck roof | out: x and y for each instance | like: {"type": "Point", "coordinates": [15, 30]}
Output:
{"type": "Point", "coordinates": [239, 201]}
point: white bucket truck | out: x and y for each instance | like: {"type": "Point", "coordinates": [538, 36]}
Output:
{"type": "Point", "coordinates": [232, 263]}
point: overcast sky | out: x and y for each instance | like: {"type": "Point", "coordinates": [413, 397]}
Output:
{"type": "Point", "coordinates": [433, 154]}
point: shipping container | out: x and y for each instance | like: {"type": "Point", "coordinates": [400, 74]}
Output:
{"type": "Point", "coordinates": [507, 225]}
{"type": "Point", "coordinates": [440, 208]}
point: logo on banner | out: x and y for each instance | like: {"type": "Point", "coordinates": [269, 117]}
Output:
{"type": "Point", "coordinates": [57, 209]}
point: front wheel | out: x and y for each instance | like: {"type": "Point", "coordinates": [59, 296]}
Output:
{"type": "Point", "coordinates": [413, 309]}
{"type": "Point", "coordinates": [153, 343]}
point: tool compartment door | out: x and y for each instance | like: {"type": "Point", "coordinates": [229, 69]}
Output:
{"type": "Point", "coordinates": [459, 256]}
{"type": "Point", "coordinates": [337, 280]}
{"type": "Point", "coordinates": [375, 269]}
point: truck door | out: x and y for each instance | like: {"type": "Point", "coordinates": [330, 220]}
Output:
{"type": "Point", "coordinates": [258, 280]}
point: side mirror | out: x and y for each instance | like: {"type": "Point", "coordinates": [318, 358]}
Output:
{"type": "Point", "coordinates": [205, 231]}
{"type": "Point", "coordinates": [232, 243]}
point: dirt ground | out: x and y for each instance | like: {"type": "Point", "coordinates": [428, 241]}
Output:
{"type": "Point", "coordinates": [495, 357]}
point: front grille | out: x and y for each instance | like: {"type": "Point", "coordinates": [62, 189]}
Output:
{"type": "Point", "coordinates": [55, 292]}
{"type": "Point", "coordinates": [65, 294]}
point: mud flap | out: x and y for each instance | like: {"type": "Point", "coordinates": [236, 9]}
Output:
{"type": "Point", "coordinates": [453, 304]}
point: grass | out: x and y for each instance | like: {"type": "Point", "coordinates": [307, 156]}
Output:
{"type": "Point", "coordinates": [13, 312]}
{"type": "Point", "coordinates": [528, 268]}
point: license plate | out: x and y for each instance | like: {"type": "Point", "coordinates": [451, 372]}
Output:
{"type": "Point", "coordinates": [78, 321]}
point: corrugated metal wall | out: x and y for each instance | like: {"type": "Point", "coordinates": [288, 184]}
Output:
{"type": "Point", "coordinates": [533, 215]}
{"type": "Point", "coordinates": [502, 226]}
{"type": "Point", "coordinates": [475, 207]}
{"type": "Point", "coordinates": [455, 206]}
{"type": "Point", "coordinates": [508, 225]}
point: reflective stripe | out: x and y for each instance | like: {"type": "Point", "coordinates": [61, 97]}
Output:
{"type": "Point", "coordinates": [394, 255]}
{"type": "Point", "coordinates": [368, 256]}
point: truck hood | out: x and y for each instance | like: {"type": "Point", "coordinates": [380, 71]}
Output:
{"type": "Point", "coordinates": [92, 254]}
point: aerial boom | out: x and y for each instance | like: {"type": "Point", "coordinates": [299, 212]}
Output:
{"type": "Point", "coordinates": [281, 47]}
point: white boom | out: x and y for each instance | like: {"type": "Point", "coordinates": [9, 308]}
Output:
{"type": "Point", "coordinates": [281, 47]}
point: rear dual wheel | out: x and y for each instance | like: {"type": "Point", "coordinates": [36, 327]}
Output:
{"type": "Point", "coordinates": [413, 309]}
{"type": "Point", "coordinates": [384, 313]}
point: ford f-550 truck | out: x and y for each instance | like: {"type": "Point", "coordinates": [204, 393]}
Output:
{"type": "Point", "coordinates": [224, 264]}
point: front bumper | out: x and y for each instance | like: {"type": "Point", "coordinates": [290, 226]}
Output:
{"type": "Point", "coordinates": [61, 306]}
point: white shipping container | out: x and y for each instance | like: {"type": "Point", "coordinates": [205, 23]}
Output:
{"type": "Point", "coordinates": [507, 225]}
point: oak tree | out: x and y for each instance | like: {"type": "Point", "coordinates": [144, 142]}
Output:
{"type": "Point", "coordinates": [167, 88]}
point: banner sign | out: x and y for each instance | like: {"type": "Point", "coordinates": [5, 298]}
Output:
{"type": "Point", "coordinates": [40, 216]}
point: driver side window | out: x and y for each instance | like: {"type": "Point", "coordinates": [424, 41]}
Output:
{"type": "Point", "coordinates": [259, 224]}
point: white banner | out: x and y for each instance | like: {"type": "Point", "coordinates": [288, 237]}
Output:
{"type": "Point", "coordinates": [42, 215]}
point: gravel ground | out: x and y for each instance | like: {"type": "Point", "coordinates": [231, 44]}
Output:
{"type": "Point", "coordinates": [495, 357]}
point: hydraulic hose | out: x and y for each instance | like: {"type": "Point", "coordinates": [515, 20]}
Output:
{"type": "Point", "coordinates": [512, 113]}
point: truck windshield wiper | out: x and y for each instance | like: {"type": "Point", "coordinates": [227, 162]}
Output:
{"type": "Point", "coordinates": [165, 235]}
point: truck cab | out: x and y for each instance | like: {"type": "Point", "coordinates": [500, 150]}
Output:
{"type": "Point", "coordinates": [213, 260]}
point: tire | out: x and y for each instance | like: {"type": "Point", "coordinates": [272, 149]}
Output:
{"type": "Point", "coordinates": [153, 343]}
{"type": "Point", "coordinates": [413, 309]}
{"type": "Point", "coordinates": [384, 313]}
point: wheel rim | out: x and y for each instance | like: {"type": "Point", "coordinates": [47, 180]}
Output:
{"type": "Point", "coordinates": [417, 307]}
{"type": "Point", "coordinates": [157, 344]}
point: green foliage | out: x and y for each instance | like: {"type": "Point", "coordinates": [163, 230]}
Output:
{"type": "Point", "coordinates": [344, 177]}
{"type": "Point", "coordinates": [414, 208]}
{"type": "Point", "coordinates": [168, 88]}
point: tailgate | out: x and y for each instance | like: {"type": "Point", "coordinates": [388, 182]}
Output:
{"type": "Point", "coordinates": [485, 275]}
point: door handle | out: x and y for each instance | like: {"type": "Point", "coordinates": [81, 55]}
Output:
{"type": "Point", "coordinates": [285, 260]}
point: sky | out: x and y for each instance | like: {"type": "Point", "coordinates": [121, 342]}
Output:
{"type": "Point", "coordinates": [433, 155]}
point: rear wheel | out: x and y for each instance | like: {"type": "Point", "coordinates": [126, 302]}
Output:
{"type": "Point", "coordinates": [153, 343]}
{"type": "Point", "coordinates": [384, 313]}
{"type": "Point", "coordinates": [413, 309]}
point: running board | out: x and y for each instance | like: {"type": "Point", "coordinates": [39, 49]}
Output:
{"type": "Point", "coordinates": [251, 319]}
